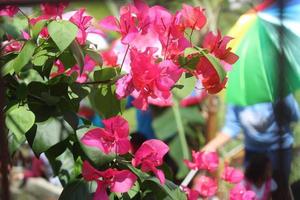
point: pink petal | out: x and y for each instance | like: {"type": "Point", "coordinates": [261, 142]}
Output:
{"type": "Point", "coordinates": [190, 165]}
{"type": "Point", "coordinates": [160, 175]}
{"type": "Point", "coordinates": [124, 86]}
{"type": "Point", "coordinates": [110, 23]}
{"type": "Point", "coordinates": [129, 37]}
{"type": "Point", "coordinates": [93, 138]}
{"type": "Point", "coordinates": [123, 146]}
{"type": "Point", "coordinates": [117, 125]}
{"type": "Point", "coordinates": [232, 175]}
{"type": "Point", "coordinates": [89, 173]}
{"type": "Point", "coordinates": [141, 6]}
{"type": "Point", "coordinates": [8, 10]}
{"type": "Point", "coordinates": [191, 194]}
{"type": "Point", "coordinates": [158, 146]}
{"type": "Point", "coordinates": [123, 181]}
{"type": "Point", "coordinates": [140, 102]}
{"type": "Point", "coordinates": [249, 195]}
{"type": "Point", "coordinates": [100, 193]}
{"type": "Point", "coordinates": [25, 35]}
{"type": "Point", "coordinates": [206, 186]}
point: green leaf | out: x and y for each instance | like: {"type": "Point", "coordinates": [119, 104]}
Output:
{"type": "Point", "coordinates": [40, 58]}
{"type": "Point", "coordinates": [177, 155]}
{"type": "Point", "coordinates": [105, 74]}
{"type": "Point", "coordinates": [105, 102]}
{"type": "Point", "coordinates": [76, 190]}
{"type": "Point", "coordinates": [24, 56]}
{"type": "Point", "coordinates": [134, 190]}
{"type": "Point", "coordinates": [67, 58]}
{"type": "Point", "coordinates": [8, 68]}
{"type": "Point", "coordinates": [63, 164]}
{"type": "Point", "coordinates": [63, 33]}
{"type": "Point", "coordinates": [141, 175]}
{"type": "Point", "coordinates": [189, 85]}
{"type": "Point", "coordinates": [14, 143]}
{"type": "Point", "coordinates": [36, 29]}
{"type": "Point", "coordinates": [78, 54]}
{"type": "Point", "coordinates": [44, 135]}
{"type": "Point", "coordinates": [95, 155]}
{"type": "Point", "coordinates": [189, 51]}
{"type": "Point", "coordinates": [22, 91]}
{"type": "Point", "coordinates": [171, 191]}
{"type": "Point", "coordinates": [95, 56]}
{"type": "Point", "coordinates": [19, 121]}
{"type": "Point", "coordinates": [165, 125]}
{"type": "Point", "coordinates": [217, 65]}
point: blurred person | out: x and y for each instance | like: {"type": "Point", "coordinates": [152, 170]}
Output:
{"type": "Point", "coordinates": [259, 125]}
{"type": "Point", "coordinates": [258, 177]}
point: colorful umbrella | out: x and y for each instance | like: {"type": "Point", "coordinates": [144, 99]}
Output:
{"type": "Point", "coordinates": [254, 78]}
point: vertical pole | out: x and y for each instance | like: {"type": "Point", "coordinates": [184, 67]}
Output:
{"type": "Point", "coordinates": [280, 111]}
{"type": "Point", "coordinates": [3, 147]}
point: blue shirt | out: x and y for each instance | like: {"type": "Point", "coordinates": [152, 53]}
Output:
{"type": "Point", "coordinates": [258, 124]}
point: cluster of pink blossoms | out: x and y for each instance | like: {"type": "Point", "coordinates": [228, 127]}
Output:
{"type": "Point", "coordinates": [155, 39]}
{"type": "Point", "coordinates": [55, 11]}
{"type": "Point", "coordinates": [206, 186]}
{"type": "Point", "coordinates": [114, 138]}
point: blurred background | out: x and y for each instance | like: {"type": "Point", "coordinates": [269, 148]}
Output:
{"type": "Point", "coordinates": [200, 119]}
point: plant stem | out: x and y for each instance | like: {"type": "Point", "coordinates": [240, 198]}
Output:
{"type": "Point", "coordinates": [28, 19]}
{"type": "Point", "coordinates": [180, 129]}
{"type": "Point", "coordinates": [125, 56]}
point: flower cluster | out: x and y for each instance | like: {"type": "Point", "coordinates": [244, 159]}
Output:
{"type": "Point", "coordinates": [115, 180]}
{"type": "Point", "coordinates": [50, 11]}
{"type": "Point", "coordinates": [114, 138]}
{"type": "Point", "coordinates": [206, 186]}
{"type": "Point", "coordinates": [155, 39]}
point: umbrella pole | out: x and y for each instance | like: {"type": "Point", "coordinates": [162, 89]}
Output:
{"type": "Point", "coordinates": [280, 111]}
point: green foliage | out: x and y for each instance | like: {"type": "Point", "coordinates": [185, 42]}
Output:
{"type": "Point", "coordinates": [62, 32]}
{"type": "Point", "coordinates": [76, 190]}
{"type": "Point", "coordinates": [19, 120]}
{"type": "Point", "coordinates": [44, 135]}
{"type": "Point", "coordinates": [24, 56]}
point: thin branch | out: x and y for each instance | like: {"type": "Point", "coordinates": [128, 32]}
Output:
{"type": "Point", "coordinates": [28, 19]}
{"type": "Point", "coordinates": [124, 57]}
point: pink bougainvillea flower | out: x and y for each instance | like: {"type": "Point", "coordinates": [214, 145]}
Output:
{"type": "Point", "coordinates": [148, 78]}
{"type": "Point", "coordinates": [113, 138]}
{"type": "Point", "coordinates": [8, 10]}
{"type": "Point", "coordinates": [239, 192]}
{"type": "Point", "coordinates": [53, 9]}
{"type": "Point", "coordinates": [232, 175]}
{"type": "Point", "coordinates": [25, 35]}
{"type": "Point", "coordinates": [89, 65]}
{"type": "Point", "coordinates": [206, 186]}
{"type": "Point", "coordinates": [209, 76]}
{"type": "Point", "coordinates": [11, 45]}
{"type": "Point", "coordinates": [124, 86]}
{"type": "Point", "coordinates": [192, 17]}
{"type": "Point", "coordinates": [203, 160]}
{"type": "Point", "coordinates": [110, 58]}
{"type": "Point", "coordinates": [218, 46]}
{"type": "Point", "coordinates": [83, 23]}
{"type": "Point", "coordinates": [191, 193]}
{"type": "Point", "coordinates": [116, 180]}
{"type": "Point", "coordinates": [197, 97]}
{"type": "Point", "coordinates": [149, 156]}
{"type": "Point", "coordinates": [126, 26]}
